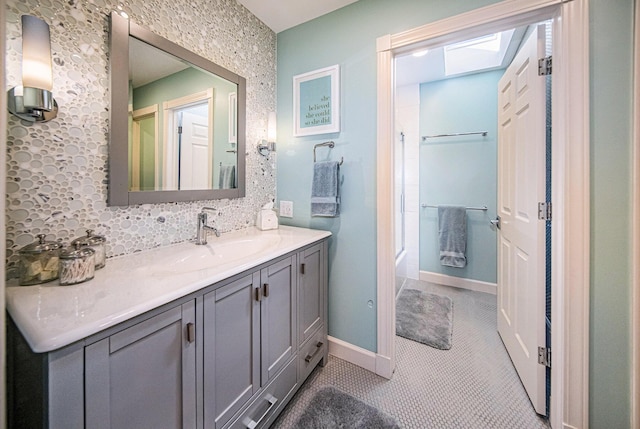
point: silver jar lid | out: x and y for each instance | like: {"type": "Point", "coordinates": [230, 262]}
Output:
{"type": "Point", "coordinates": [40, 246]}
{"type": "Point", "coordinates": [77, 251]}
{"type": "Point", "coordinates": [90, 239]}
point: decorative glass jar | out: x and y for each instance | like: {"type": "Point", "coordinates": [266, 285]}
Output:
{"type": "Point", "coordinates": [77, 264]}
{"type": "Point", "coordinates": [39, 261]}
{"type": "Point", "coordinates": [95, 242]}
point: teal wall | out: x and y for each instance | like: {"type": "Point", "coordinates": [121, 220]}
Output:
{"type": "Point", "coordinates": [460, 170]}
{"type": "Point", "coordinates": [611, 40]}
{"type": "Point", "coordinates": [348, 37]}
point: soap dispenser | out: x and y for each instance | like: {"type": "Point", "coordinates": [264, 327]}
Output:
{"type": "Point", "coordinates": [267, 218]}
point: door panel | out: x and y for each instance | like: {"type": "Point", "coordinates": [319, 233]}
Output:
{"type": "Point", "coordinates": [278, 316]}
{"type": "Point", "coordinates": [194, 151]}
{"type": "Point", "coordinates": [521, 185]}
{"type": "Point", "coordinates": [143, 376]}
{"type": "Point", "coordinates": [311, 292]}
{"type": "Point", "coordinates": [231, 344]}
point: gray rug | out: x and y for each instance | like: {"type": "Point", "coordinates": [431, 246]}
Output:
{"type": "Point", "coordinates": [332, 408]}
{"type": "Point", "coordinates": [425, 318]}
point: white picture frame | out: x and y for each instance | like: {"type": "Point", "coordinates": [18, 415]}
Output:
{"type": "Point", "coordinates": [316, 102]}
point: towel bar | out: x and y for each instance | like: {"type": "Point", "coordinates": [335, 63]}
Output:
{"type": "Point", "coordinates": [483, 133]}
{"type": "Point", "coordinates": [331, 146]}
{"type": "Point", "coordinates": [483, 208]}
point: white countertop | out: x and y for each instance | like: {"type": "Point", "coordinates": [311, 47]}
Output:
{"type": "Point", "coordinates": [51, 316]}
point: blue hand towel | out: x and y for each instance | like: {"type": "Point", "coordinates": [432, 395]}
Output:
{"type": "Point", "coordinates": [227, 178]}
{"type": "Point", "coordinates": [452, 234]}
{"type": "Point", "coordinates": [325, 189]}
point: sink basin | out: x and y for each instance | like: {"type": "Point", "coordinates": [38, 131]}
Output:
{"type": "Point", "coordinates": [217, 252]}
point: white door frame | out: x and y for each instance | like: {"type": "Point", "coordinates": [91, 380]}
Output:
{"type": "Point", "coordinates": [635, 222]}
{"type": "Point", "coordinates": [138, 115]}
{"type": "Point", "coordinates": [570, 188]}
{"type": "Point", "coordinates": [170, 143]}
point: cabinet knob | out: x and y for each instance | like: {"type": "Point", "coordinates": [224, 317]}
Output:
{"type": "Point", "coordinates": [301, 268]}
{"type": "Point", "coordinates": [266, 290]}
{"type": "Point", "coordinates": [258, 295]}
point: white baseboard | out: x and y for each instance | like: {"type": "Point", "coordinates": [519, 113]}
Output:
{"type": "Point", "coordinates": [356, 355]}
{"type": "Point", "coordinates": [459, 282]}
{"type": "Point", "coordinates": [384, 366]}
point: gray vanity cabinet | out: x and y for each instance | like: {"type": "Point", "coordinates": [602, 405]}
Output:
{"type": "Point", "coordinates": [144, 376]}
{"type": "Point", "coordinates": [249, 336]}
{"type": "Point", "coordinates": [229, 356]}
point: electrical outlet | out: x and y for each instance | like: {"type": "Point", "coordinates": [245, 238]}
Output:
{"type": "Point", "coordinates": [286, 208]}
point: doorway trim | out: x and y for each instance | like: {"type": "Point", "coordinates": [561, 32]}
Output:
{"type": "Point", "coordinates": [138, 115]}
{"type": "Point", "coordinates": [570, 172]}
{"type": "Point", "coordinates": [635, 222]}
{"type": "Point", "coordinates": [170, 153]}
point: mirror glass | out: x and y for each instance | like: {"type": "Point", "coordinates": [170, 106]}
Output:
{"type": "Point", "coordinates": [184, 120]}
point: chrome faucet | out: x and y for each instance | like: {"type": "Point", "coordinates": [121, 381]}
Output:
{"type": "Point", "coordinates": [203, 228]}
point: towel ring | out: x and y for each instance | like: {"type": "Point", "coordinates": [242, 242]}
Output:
{"type": "Point", "coordinates": [331, 145]}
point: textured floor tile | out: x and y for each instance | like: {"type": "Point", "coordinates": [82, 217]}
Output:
{"type": "Point", "coordinates": [473, 385]}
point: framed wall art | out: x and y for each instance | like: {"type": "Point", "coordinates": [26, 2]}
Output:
{"type": "Point", "coordinates": [316, 102]}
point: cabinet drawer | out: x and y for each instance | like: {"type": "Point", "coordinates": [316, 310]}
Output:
{"type": "Point", "coordinates": [311, 353]}
{"type": "Point", "coordinates": [269, 401]}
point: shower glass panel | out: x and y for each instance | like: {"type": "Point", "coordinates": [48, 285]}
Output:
{"type": "Point", "coordinates": [399, 193]}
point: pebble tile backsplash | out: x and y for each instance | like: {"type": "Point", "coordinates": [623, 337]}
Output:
{"type": "Point", "coordinates": [57, 171]}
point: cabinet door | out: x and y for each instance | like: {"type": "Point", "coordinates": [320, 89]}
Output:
{"type": "Point", "coordinates": [310, 291]}
{"type": "Point", "coordinates": [144, 376]}
{"type": "Point", "coordinates": [231, 349]}
{"type": "Point", "coordinates": [278, 316]}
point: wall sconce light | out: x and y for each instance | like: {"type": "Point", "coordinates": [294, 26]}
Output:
{"type": "Point", "coordinates": [269, 145]}
{"type": "Point", "coordinates": [33, 101]}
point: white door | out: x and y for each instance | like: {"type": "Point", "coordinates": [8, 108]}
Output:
{"type": "Point", "coordinates": [521, 239]}
{"type": "Point", "coordinates": [194, 148]}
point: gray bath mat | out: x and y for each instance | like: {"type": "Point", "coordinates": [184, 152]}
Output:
{"type": "Point", "coordinates": [331, 408]}
{"type": "Point", "coordinates": [425, 318]}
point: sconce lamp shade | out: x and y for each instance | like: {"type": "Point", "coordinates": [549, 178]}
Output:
{"type": "Point", "coordinates": [265, 147]}
{"type": "Point", "coordinates": [33, 101]}
{"type": "Point", "coordinates": [271, 127]}
{"type": "Point", "coordinates": [36, 54]}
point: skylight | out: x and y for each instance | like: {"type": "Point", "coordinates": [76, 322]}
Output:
{"type": "Point", "coordinates": [487, 43]}
{"type": "Point", "coordinates": [476, 54]}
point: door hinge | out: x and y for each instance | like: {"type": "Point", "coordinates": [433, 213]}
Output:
{"type": "Point", "coordinates": [179, 129]}
{"type": "Point", "coordinates": [544, 211]}
{"type": "Point", "coordinates": [544, 66]}
{"type": "Point", "coordinates": [544, 356]}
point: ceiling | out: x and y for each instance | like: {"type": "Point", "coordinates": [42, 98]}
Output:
{"type": "Point", "coordinates": [148, 64]}
{"type": "Point", "coordinates": [280, 15]}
